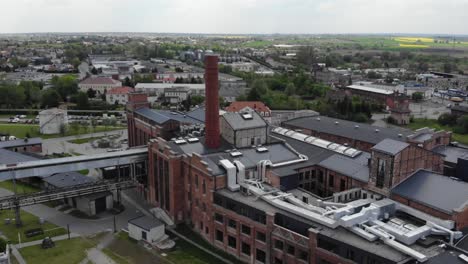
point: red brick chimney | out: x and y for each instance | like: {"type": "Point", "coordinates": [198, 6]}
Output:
{"type": "Point", "coordinates": [212, 136]}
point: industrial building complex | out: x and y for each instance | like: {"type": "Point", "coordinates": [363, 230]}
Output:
{"type": "Point", "coordinates": [309, 190]}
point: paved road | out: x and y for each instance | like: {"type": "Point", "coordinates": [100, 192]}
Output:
{"type": "Point", "coordinates": [62, 145]}
{"type": "Point", "coordinates": [83, 227]}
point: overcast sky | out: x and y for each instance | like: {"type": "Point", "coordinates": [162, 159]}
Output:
{"type": "Point", "coordinates": [235, 16]}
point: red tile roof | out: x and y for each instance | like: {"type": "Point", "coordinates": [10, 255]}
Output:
{"type": "Point", "coordinates": [121, 90]}
{"type": "Point", "coordinates": [99, 80]}
{"type": "Point", "coordinates": [255, 105]}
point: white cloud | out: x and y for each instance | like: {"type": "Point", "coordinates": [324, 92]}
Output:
{"type": "Point", "coordinates": [236, 16]}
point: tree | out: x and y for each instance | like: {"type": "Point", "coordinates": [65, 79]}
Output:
{"type": "Point", "coordinates": [94, 71]}
{"type": "Point", "coordinates": [417, 96]}
{"type": "Point", "coordinates": [65, 85]}
{"type": "Point", "coordinates": [447, 119]}
{"type": "Point", "coordinates": [290, 89]}
{"type": "Point", "coordinates": [82, 101]}
{"type": "Point", "coordinates": [50, 98]}
{"type": "Point", "coordinates": [91, 93]}
{"type": "Point", "coordinates": [462, 125]}
{"type": "Point", "coordinates": [128, 82]}
{"type": "Point", "coordinates": [448, 67]}
{"type": "Point", "coordinates": [306, 56]}
{"type": "Point", "coordinates": [259, 88]}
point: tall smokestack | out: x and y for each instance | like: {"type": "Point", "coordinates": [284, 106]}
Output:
{"type": "Point", "coordinates": [212, 137]}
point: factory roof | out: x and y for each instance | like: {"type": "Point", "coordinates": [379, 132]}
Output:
{"type": "Point", "coordinates": [390, 146]}
{"type": "Point", "coordinates": [20, 142]}
{"type": "Point", "coordinates": [11, 157]}
{"type": "Point", "coordinates": [370, 89]}
{"type": "Point", "coordinates": [163, 116]}
{"type": "Point", "coordinates": [145, 222]}
{"type": "Point", "coordinates": [99, 80]}
{"type": "Point", "coordinates": [349, 129]}
{"type": "Point", "coordinates": [434, 190]}
{"type": "Point", "coordinates": [451, 154]}
{"type": "Point", "coordinates": [356, 168]}
{"type": "Point", "coordinates": [239, 121]}
{"type": "Point", "coordinates": [67, 179]}
{"type": "Point", "coordinates": [198, 86]}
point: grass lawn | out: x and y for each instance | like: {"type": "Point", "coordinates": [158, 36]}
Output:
{"type": "Point", "coordinates": [118, 259]}
{"type": "Point", "coordinates": [21, 188]}
{"type": "Point", "coordinates": [432, 123]}
{"type": "Point", "coordinates": [84, 172]}
{"type": "Point", "coordinates": [127, 250]}
{"type": "Point", "coordinates": [21, 130]}
{"type": "Point", "coordinates": [29, 222]}
{"type": "Point", "coordinates": [84, 140]}
{"type": "Point", "coordinates": [65, 251]}
{"type": "Point", "coordinates": [187, 253]}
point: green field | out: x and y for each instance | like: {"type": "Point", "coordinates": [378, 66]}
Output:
{"type": "Point", "coordinates": [21, 188]}
{"type": "Point", "coordinates": [29, 222]}
{"type": "Point", "coordinates": [71, 251]}
{"type": "Point", "coordinates": [432, 123]}
{"type": "Point", "coordinates": [22, 130]}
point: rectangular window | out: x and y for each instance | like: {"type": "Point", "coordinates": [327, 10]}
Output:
{"type": "Point", "coordinates": [303, 255]}
{"type": "Point", "coordinates": [232, 242]}
{"type": "Point", "coordinates": [143, 235]}
{"type": "Point", "coordinates": [331, 180]}
{"type": "Point", "coordinates": [204, 207]}
{"type": "Point", "coordinates": [219, 235]}
{"type": "Point", "coordinates": [261, 236]}
{"type": "Point", "coordinates": [279, 244]}
{"type": "Point", "coordinates": [342, 185]}
{"type": "Point", "coordinates": [201, 225]}
{"type": "Point", "coordinates": [305, 199]}
{"type": "Point", "coordinates": [278, 261]}
{"type": "Point", "coordinates": [219, 218]}
{"type": "Point", "coordinates": [291, 250]}
{"type": "Point", "coordinates": [207, 230]}
{"type": "Point", "coordinates": [260, 255]}
{"type": "Point", "coordinates": [307, 175]}
{"type": "Point", "coordinates": [301, 176]}
{"type": "Point", "coordinates": [245, 230]}
{"type": "Point", "coordinates": [204, 186]}
{"type": "Point", "coordinates": [232, 223]}
{"type": "Point", "coordinates": [196, 181]}
{"type": "Point", "coordinates": [245, 248]}
{"type": "Point", "coordinates": [313, 175]}
{"type": "Point", "coordinates": [320, 176]}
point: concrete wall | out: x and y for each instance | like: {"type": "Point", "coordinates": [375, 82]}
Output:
{"type": "Point", "coordinates": [154, 234]}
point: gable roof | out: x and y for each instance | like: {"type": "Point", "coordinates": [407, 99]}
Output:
{"type": "Point", "coordinates": [240, 105]}
{"type": "Point", "coordinates": [349, 129]}
{"type": "Point", "coordinates": [434, 190]}
{"type": "Point", "coordinates": [121, 90]}
{"type": "Point", "coordinates": [390, 146]}
{"type": "Point", "coordinates": [237, 122]}
{"type": "Point", "coordinates": [145, 222]}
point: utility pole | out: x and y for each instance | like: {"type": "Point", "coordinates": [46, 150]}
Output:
{"type": "Point", "coordinates": [18, 221]}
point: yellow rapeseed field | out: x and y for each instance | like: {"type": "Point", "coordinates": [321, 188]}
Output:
{"type": "Point", "coordinates": [413, 39]}
{"type": "Point", "coordinates": [413, 46]}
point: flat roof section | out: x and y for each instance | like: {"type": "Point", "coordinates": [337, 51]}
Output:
{"type": "Point", "coordinates": [433, 190]}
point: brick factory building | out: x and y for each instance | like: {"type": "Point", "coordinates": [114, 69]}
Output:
{"type": "Point", "coordinates": [328, 192]}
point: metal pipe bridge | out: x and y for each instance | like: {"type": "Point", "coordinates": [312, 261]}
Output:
{"type": "Point", "coordinates": [76, 163]}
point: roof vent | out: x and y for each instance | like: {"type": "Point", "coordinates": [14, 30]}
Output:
{"type": "Point", "coordinates": [377, 130]}
{"type": "Point", "coordinates": [236, 154]}
{"type": "Point", "coordinates": [336, 122]}
{"type": "Point", "coordinates": [247, 116]}
{"type": "Point", "coordinates": [180, 141]}
{"type": "Point", "coordinates": [356, 126]}
{"type": "Point", "coordinates": [193, 140]}
{"type": "Point", "coordinates": [262, 149]}
{"type": "Point", "coordinates": [318, 118]}
{"type": "Point", "coordinates": [400, 135]}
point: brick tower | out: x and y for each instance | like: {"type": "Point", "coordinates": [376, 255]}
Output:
{"type": "Point", "coordinates": [212, 137]}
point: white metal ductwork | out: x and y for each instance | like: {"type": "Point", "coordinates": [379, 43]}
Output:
{"type": "Point", "coordinates": [240, 171]}
{"type": "Point", "coordinates": [231, 175]}
{"type": "Point", "coordinates": [367, 218]}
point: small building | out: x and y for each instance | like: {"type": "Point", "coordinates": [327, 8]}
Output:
{"type": "Point", "coordinates": [244, 129]}
{"type": "Point", "coordinates": [146, 228]}
{"type": "Point", "coordinates": [400, 111]}
{"type": "Point", "coordinates": [91, 204]}
{"type": "Point", "coordinates": [118, 95]}
{"type": "Point", "coordinates": [52, 121]}
{"type": "Point", "coordinates": [257, 106]}
{"type": "Point", "coordinates": [31, 145]}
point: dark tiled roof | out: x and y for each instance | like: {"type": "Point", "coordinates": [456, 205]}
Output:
{"type": "Point", "coordinates": [390, 146]}
{"type": "Point", "coordinates": [11, 157]}
{"type": "Point", "coordinates": [145, 222]}
{"type": "Point", "coordinates": [344, 128]}
{"type": "Point", "coordinates": [162, 116]}
{"type": "Point", "coordinates": [67, 179]}
{"type": "Point", "coordinates": [451, 154]}
{"type": "Point", "coordinates": [434, 190]}
{"type": "Point", "coordinates": [237, 122]}
{"type": "Point", "coordinates": [355, 168]}
{"type": "Point", "coordinates": [20, 143]}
